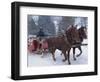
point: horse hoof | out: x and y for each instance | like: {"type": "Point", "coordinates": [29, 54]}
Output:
{"type": "Point", "coordinates": [42, 56]}
{"type": "Point", "coordinates": [69, 63]}
{"type": "Point", "coordinates": [64, 60]}
{"type": "Point", "coordinates": [54, 59]}
{"type": "Point", "coordinates": [78, 55]}
{"type": "Point", "coordinates": [74, 59]}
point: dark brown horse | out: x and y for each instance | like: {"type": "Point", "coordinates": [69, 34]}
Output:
{"type": "Point", "coordinates": [82, 35]}
{"type": "Point", "coordinates": [63, 43]}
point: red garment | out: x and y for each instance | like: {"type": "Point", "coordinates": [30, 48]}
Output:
{"type": "Point", "coordinates": [32, 46]}
{"type": "Point", "coordinates": [35, 44]}
{"type": "Point", "coordinates": [45, 45]}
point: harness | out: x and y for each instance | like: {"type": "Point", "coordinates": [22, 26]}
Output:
{"type": "Point", "coordinates": [66, 39]}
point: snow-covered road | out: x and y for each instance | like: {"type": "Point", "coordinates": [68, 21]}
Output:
{"type": "Point", "coordinates": [37, 60]}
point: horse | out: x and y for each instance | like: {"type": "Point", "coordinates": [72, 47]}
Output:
{"type": "Point", "coordinates": [82, 31]}
{"type": "Point", "coordinates": [63, 43]}
{"type": "Point", "coordinates": [71, 34]}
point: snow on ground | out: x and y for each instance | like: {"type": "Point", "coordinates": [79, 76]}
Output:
{"type": "Point", "coordinates": [47, 60]}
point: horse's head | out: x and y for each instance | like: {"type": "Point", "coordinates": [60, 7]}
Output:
{"type": "Point", "coordinates": [83, 32]}
{"type": "Point", "coordinates": [72, 35]}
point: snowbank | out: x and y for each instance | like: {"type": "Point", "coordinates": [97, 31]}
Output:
{"type": "Point", "coordinates": [46, 60]}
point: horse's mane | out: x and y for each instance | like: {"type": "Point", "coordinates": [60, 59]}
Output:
{"type": "Point", "coordinates": [81, 32]}
{"type": "Point", "coordinates": [71, 33]}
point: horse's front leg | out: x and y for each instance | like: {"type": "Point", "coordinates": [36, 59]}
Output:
{"type": "Point", "coordinates": [74, 53]}
{"type": "Point", "coordinates": [65, 56]}
{"type": "Point", "coordinates": [79, 47]}
{"type": "Point", "coordinates": [69, 57]}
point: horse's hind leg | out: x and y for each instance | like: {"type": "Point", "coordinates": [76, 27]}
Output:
{"type": "Point", "coordinates": [61, 53]}
{"type": "Point", "coordinates": [53, 55]}
{"type": "Point", "coordinates": [43, 53]}
{"type": "Point", "coordinates": [74, 53]}
{"type": "Point", "coordinates": [79, 47]}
